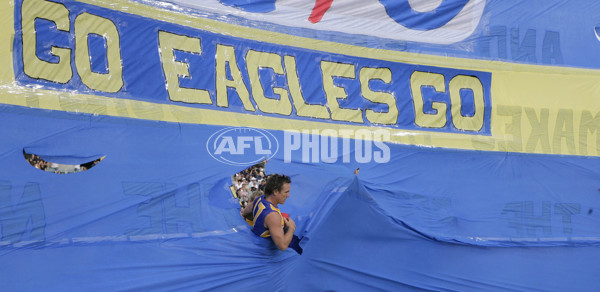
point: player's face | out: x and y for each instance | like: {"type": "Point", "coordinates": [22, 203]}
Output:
{"type": "Point", "coordinates": [283, 194]}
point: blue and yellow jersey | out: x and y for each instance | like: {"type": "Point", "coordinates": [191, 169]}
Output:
{"type": "Point", "coordinates": [260, 211]}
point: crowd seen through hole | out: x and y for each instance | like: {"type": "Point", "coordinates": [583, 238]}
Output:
{"type": "Point", "coordinates": [41, 164]}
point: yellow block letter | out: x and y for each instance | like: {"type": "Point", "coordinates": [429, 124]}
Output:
{"type": "Point", "coordinates": [174, 69]}
{"type": "Point", "coordinates": [332, 92]}
{"type": "Point", "coordinates": [367, 74]}
{"type": "Point", "coordinates": [303, 109]}
{"type": "Point", "coordinates": [32, 65]}
{"type": "Point", "coordinates": [256, 60]}
{"type": "Point", "coordinates": [86, 24]}
{"type": "Point", "coordinates": [419, 79]}
{"type": "Point", "coordinates": [474, 123]}
{"type": "Point", "coordinates": [226, 56]}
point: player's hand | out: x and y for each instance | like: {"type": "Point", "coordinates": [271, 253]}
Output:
{"type": "Point", "coordinates": [290, 224]}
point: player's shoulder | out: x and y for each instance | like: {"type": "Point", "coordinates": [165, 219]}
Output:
{"type": "Point", "coordinates": [273, 217]}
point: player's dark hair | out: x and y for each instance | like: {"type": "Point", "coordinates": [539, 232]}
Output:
{"type": "Point", "coordinates": [275, 183]}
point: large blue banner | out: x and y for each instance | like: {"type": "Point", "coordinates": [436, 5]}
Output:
{"type": "Point", "coordinates": [445, 145]}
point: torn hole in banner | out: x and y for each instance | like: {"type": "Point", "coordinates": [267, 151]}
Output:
{"type": "Point", "coordinates": [61, 164]}
{"type": "Point", "coordinates": [248, 184]}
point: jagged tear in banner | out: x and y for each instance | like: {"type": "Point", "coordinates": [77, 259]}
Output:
{"type": "Point", "coordinates": [432, 145]}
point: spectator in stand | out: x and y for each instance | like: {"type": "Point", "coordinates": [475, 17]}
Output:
{"type": "Point", "coordinates": [253, 183]}
{"type": "Point", "coordinates": [243, 194]}
{"type": "Point", "coordinates": [238, 183]}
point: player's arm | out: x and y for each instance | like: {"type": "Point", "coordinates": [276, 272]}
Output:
{"type": "Point", "coordinates": [282, 240]}
{"type": "Point", "coordinates": [247, 211]}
